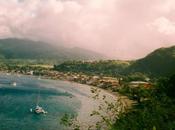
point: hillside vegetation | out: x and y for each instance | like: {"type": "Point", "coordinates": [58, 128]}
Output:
{"type": "Point", "coordinates": [157, 112]}
{"type": "Point", "coordinates": [160, 63]}
{"type": "Point", "coordinates": [107, 67]}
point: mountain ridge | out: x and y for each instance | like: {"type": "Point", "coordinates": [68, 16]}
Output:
{"type": "Point", "coordinates": [160, 62]}
{"type": "Point", "coordinates": [12, 48]}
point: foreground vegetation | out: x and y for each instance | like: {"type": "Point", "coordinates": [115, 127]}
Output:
{"type": "Point", "coordinates": [156, 112]}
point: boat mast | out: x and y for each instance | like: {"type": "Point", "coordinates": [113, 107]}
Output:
{"type": "Point", "coordinates": [37, 101]}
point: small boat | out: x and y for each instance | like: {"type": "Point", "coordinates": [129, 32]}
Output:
{"type": "Point", "coordinates": [14, 84]}
{"type": "Point", "coordinates": [38, 109]}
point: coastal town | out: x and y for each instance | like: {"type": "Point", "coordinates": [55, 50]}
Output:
{"type": "Point", "coordinates": [105, 82]}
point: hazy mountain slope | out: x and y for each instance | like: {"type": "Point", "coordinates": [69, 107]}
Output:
{"type": "Point", "coordinates": [27, 49]}
{"type": "Point", "coordinates": [161, 62]}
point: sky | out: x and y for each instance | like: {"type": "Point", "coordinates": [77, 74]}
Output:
{"type": "Point", "coordinates": [120, 29]}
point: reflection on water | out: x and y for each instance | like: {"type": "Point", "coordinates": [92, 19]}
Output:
{"type": "Point", "coordinates": [16, 101]}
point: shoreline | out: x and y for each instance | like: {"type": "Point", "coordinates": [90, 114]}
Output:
{"type": "Point", "coordinates": [115, 94]}
{"type": "Point", "coordinates": [68, 81]}
{"type": "Point", "coordinates": [126, 100]}
{"type": "Point", "coordinates": [88, 104]}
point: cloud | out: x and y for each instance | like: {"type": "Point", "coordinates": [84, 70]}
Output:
{"type": "Point", "coordinates": [118, 28]}
{"type": "Point", "coordinates": [164, 26]}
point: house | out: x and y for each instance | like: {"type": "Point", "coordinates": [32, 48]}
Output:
{"type": "Point", "coordinates": [135, 84]}
{"type": "Point", "coordinates": [30, 72]}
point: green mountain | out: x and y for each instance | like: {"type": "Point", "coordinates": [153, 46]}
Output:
{"type": "Point", "coordinates": [161, 62]}
{"type": "Point", "coordinates": [36, 50]}
{"type": "Point", "coordinates": [106, 67]}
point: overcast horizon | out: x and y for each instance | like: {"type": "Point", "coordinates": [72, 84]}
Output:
{"type": "Point", "coordinates": [121, 29]}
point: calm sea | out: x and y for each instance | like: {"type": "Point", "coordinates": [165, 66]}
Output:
{"type": "Point", "coordinates": [15, 103]}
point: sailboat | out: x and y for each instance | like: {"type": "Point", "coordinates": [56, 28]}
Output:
{"type": "Point", "coordinates": [14, 84]}
{"type": "Point", "coordinates": [38, 109]}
